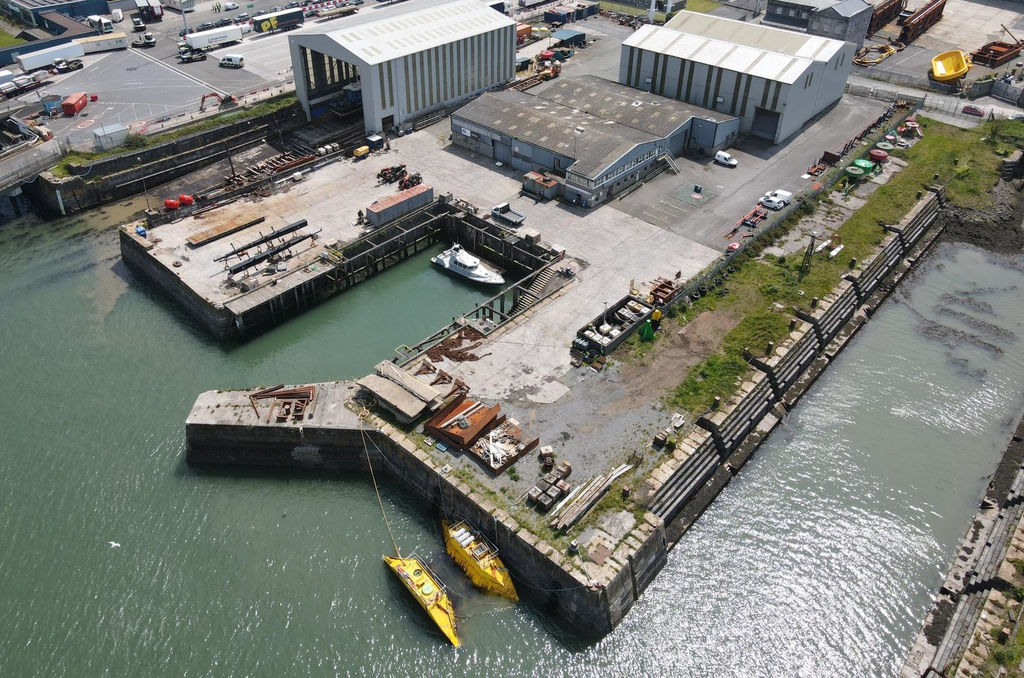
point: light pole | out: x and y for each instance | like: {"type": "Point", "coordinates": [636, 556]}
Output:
{"type": "Point", "coordinates": [145, 192]}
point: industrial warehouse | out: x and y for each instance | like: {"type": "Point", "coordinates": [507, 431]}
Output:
{"type": "Point", "coordinates": [404, 62]}
{"type": "Point", "coordinates": [604, 137]}
{"type": "Point", "coordinates": [774, 80]}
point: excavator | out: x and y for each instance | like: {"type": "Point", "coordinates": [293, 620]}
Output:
{"type": "Point", "coordinates": [224, 101]}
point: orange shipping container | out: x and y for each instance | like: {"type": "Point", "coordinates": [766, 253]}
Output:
{"type": "Point", "coordinates": [523, 30]}
{"type": "Point", "coordinates": [74, 103]}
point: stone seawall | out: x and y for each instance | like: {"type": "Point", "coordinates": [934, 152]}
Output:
{"type": "Point", "coordinates": [723, 440]}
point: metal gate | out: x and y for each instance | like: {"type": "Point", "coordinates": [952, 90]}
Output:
{"type": "Point", "coordinates": [765, 124]}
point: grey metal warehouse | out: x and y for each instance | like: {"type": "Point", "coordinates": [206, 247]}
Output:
{"type": "Point", "coordinates": [407, 60]}
{"type": "Point", "coordinates": [775, 80]}
{"type": "Point", "coordinates": [600, 137]}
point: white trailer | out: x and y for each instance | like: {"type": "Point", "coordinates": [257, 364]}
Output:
{"type": "Point", "coordinates": [7, 76]}
{"type": "Point", "coordinates": [183, 6]}
{"type": "Point", "coordinates": [45, 57]}
{"type": "Point", "coordinates": [216, 37]}
{"type": "Point", "coordinates": [103, 43]}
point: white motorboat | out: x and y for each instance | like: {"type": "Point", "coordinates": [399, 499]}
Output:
{"type": "Point", "coordinates": [461, 263]}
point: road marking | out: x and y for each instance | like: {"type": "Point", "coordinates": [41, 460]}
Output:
{"type": "Point", "coordinates": [182, 73]}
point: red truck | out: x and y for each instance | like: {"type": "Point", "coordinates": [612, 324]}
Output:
{"type": "Point", "coordinates": [74, 103]}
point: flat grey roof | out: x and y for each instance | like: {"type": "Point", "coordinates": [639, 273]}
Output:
{"type": "Point", "coordinates": [566, 34]}
{"type": "Point", "coordinates": [595, 143]}
{"type": "Point", "coordinates": [626, 105]}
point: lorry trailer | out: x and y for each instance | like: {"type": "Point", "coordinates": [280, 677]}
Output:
{"type": "Point", "coordinates": [44, 58]}
{"type": "Point", "coordinates": [278, 21]}
{"type": "Point", "coordinates": [103, 43]}
{"type": "Point", "coordinates": [216, 37]}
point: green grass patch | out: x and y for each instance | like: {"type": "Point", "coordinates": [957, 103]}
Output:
{"type": "Point", "coordinates": [8, 40]}
{"type": "Point", "coordinates": [764, 291]}
{"type": "Point", "coordinates": [701, 5]}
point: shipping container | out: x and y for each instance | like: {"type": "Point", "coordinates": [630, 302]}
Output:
{"type": "Point", "coordinates": [558, 15]}
{"type": "Point", "coordinates": [103, 43]}
{"type": "Point", "coordinates": [399, 205]}
{"type": "Point", "coordinates": [6, 76]}
{"type": "Point", "coordinates": [216, 37]}
{"type": "Point", "coordinates": [531, 3]}
{"type": "Point", "coordinates": [150, 10]}
{"type": "Point", "coordinates": [278, 21]}
{"type": "Point", "coordinates": [523, 30]}
{"type": "Point", "coordinates": [74, 103]}
{"type": "Point", "coordinates": [44, 58]}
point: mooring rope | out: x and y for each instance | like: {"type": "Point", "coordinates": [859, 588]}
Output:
{"type": "Point", "coordinates": [362, 434]}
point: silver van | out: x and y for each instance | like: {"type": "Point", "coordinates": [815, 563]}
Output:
{"type": "Point", "coordinates": [232, 61]}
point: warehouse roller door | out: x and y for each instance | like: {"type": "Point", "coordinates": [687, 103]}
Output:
{"type": "Point", "coordinates": [502, 152]}
{"type": "Point", "coordinates": [766, 124]}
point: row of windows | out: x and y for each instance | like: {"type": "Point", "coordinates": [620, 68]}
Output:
{"type": "Point", "coordinates": [792, 12]}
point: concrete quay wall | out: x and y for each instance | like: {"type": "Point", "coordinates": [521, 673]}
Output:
{"type": "Point", "coordinates": [135, 254]}
{"type": "Point", "coordinates": [725, 439]}
{"type": "Point", "coordinates": [590, 602]}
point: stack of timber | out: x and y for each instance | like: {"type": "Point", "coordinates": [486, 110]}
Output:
{"type": "Point", "coordinates": [592, 492]}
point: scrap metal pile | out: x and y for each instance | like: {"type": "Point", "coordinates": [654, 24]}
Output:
{"type": "Point", "coordinates": [286, 403]}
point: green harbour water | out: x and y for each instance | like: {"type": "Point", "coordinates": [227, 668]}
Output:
{"type": "Point", "coordinates": [819, 559]}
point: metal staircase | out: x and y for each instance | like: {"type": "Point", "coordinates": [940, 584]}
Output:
{"type": "Point", "coordinates": [532, 295]}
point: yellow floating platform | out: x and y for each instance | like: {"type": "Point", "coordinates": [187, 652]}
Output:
{"type": "Point", "coordinates": [428, 592]}
{"type": "Point", "coordinates": [950, 65]}
{"type": "Point", "coordinates": [479, 559]}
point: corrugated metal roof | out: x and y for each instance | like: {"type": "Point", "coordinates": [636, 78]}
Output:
{"type": "Point", "coordinates": [567, 34]}
{"type": "Point", "coordinates": [414, 27]}
{"type": "Point", "coordinates": [770, 39]}
{"type": "Point", "coordinates": [759, 63]}
{"type": "Point", "coordinates": [625, 105]}
{"type": "Point", "coordinates": [594, 143]}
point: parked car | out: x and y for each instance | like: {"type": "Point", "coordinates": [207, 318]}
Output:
{"type": "Point", "coordinates": [241, 18]}
{"type": "Point", "coordinates": [293, 5]}
{"type": "Point", "coordinates": [185, 31]}
{"type": "Point", "coordinates": [137, 24]}
{"type": "Point", "coordinates": [205, 26]}
{"type": "Point", "coordinates": [970, 109]}
{"type": "Point", "coordinates": [723, 158]}
{"type": "Point", "coordinates": [778, 195]}
{"type": "Point", "coordinates": [230, 6]}
{"type": "Point", "coordinates": [771, 203]}
{"type": "Point", "coordinates": [220, 23]}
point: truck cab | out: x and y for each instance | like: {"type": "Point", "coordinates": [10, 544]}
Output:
{"type": "Point", "coordinates": [67, 65]}
{"type": "Point", "coordinates": [137, 24]}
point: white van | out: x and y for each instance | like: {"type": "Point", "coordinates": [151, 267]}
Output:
{"type": "Point", "coordinates": [723, 158]}
{"type": "Point", "coordinates": [232, 61]}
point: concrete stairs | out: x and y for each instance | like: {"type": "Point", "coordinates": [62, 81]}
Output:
{"type": "Point", "coordinates": [533, 294]}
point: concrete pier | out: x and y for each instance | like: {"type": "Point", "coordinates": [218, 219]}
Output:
{"type": "Point", "coordinates": [335, 433]}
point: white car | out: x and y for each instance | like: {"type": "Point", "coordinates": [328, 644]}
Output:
{"type": "Point", "coordinates": [228, 6]}
{"type": "Point", "coordinates": [778, 195]}
{"type": "Point", "coordinates": [772, 203]}
{"type": "Point", "coordinates": [723, 158]}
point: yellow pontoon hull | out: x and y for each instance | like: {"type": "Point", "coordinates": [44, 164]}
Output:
{"type": "Point", "coordinates": [950, 65]}
{"type": "Point", "coordinates": [481, 563]}
{"type": "Point", "coordinates": [428, 593]}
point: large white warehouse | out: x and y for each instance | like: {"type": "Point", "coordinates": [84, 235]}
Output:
{"type": "Point", "coordinates": [774, 80]}
{"type": "Point", "coordinates": [406, 60]}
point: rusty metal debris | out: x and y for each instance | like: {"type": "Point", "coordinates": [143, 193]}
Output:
{"type": "Point", "coordinates": [287, 403]}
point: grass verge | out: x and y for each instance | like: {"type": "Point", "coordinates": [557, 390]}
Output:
{"type": "Point", "coordinates": [764, 290]}
{"type": "Point", "coordinates": [8, 40]}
